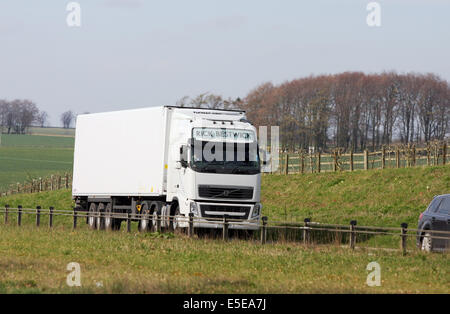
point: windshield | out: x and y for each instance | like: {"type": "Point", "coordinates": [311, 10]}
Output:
{"type": "Point", "coordinates": [225, 157]}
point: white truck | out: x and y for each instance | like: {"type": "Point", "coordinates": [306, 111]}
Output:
{"type": "Point", "coordinates": [167, 162]}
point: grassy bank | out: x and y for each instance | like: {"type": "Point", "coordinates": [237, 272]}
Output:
{"type": "Point", "coordinates": [35, 260]}
{"type": "Point", "coordinates": [376, 197]}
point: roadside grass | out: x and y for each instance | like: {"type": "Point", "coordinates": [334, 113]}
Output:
{"type": "Point", "coordinates": [34, 260]}
{"type": "Point", "coordinates": [374, 198]}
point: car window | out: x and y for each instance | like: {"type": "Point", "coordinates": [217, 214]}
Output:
{"type": "Point", "coordinates": [434, 204]}
{"type": "Point", "coordinates": [444, 206]}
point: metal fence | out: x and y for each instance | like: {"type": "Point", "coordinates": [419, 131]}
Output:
{"type": "Point", "coordinates": [308, 233]}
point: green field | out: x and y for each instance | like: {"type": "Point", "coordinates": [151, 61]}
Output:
{"type": "Point", "coordinates": [27, 157]}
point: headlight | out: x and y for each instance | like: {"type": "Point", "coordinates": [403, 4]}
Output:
{"type": "Point", "coordinates": [194, 208]}
{"type": "Point", "coordinates": [256, 210]}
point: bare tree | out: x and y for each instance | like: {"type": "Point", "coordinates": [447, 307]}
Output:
{"type": "Point", "coordinates": [67, 118]}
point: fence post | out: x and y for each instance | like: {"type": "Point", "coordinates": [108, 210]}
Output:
{"type": "Point", "coordinates": [75, 216]}
{"type": "Point", "coordinates": [318, 161]}
{"type": "Point", "coordinates": [404, 237]}
{"type": "Point", "coordinates": [397, 157]}
{"type": "Point", "coordinates": [264, 230]}
{"type": "Point", "coordinates": [306, 232]}
{"type": "Point", "coordinates": [414, 155]}
{"type": "Point", "coordinates": [351, 161]}
{"type": "Point", "coordinates": [191, 225]}
{"type": "Point", "coordinates": [303, 163]}
{"type": "Point", "coordinates": [286, 164]}
{"type": "Point", "coordinates": [38, 216]}
{"type": "Point", "coordinates": [6, 213]}
{"type": "Point", "coordinates": [19, 215]}
{"type": "Point", "coordinates": [352, 234]}
{"type": "Point", "coordinates": [366, 159]}
{"type": "Point", "coordinates": [50, 221]}
{"type": "Point", "coordinates": [225, 228]}
{"type": "Point", "coordinates": [335, 161]}
{"type": "Point", "coordinates": [129, 222]}
{"type": "Point", "coordinates": [383, 158]}
{"type": "Point", "coordinates": [444, 156]}
{"type": "Point", "coordinates": [158, 223]}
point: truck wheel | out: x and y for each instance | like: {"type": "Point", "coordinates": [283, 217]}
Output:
{"type": "Point", "coordinates": [91, 218]}
{"type": "Point", "coordinates": [109, 220]}
{"type": "Point", "coordinates": [155, 210]}
{"type": "Point", "coordinates": [101, 216]}
{"type": "Point", "coordinates": [145, 221]}
{"type": "Point", "coordinates": [175, 220]}
{"type": "Point", "coordinates": [427, 242]}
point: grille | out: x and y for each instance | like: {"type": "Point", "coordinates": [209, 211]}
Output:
{"type": "Point", "coordinates": [221, 210]}
{"type": "Point", "coordinates": [225, 192]}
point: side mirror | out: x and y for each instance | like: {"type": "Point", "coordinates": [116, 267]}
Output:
{"type": "Point", "coordinates": [184, 156]}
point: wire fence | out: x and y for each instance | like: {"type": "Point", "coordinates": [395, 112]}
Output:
{"type": "Point", "coordinates": [308, 233]}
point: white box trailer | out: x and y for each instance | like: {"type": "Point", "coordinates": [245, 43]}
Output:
{"type": "Point", "coordinates": [167, 161]}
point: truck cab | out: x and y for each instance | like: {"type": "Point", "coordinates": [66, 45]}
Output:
{"type": "Point", "coordinates": [214, 168]}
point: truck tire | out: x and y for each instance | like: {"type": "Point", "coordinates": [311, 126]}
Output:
{"type": "Point", "coordinates": [145, 219]}
{"type": "Point", "coordinates": [92, 221]}
{"type": "Point", "coordinates": [109, 221]}
{"type": "Point", "coordinates": [155, 211]}
{"type": "Point", "coordinates": [101, 216]}
{"type": "Point", "coordinates": [174, 222]}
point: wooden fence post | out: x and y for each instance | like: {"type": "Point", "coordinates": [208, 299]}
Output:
{"type": "Point", "coordinates": [383, 158]}
{"type": "Point", "coordinates": [129, 222]}
{"type": "Point", "coordinates": [38, 216]}
{"type": "Point", "coordinates": [414, 155]}
{"type": "Point", "coordinates": [225, 228]}
{"type": "Point", "coordinates": [397, 157]}
{"type": "Point", "coordinates": [366, 159]}
{"type": "Point", "coordinates": [335, 161]}
{"type": "Point", "coordinates": [404, 237]}
{"type": "Point", "coordinates": [303, 163]}
{"type": "Point", "coordinates": [286, 164]}
{"type": "Point", "coordinates": [6, 213]}
{"type": "Point", "coordinates": [351, 161]}
{"type": "Point", "coordinates": [158, 223]}
{"type": "Point", "coordinates": [191, 225]}
{"type": "Point", "coordinates": [264, 230]}
{"type": "Point", "coordinates": [19, 215]}
{"type": "Point", "coordinates": [352, 234]}
{"type": "Point", "coordinates": [75, 216]}
{"type": "Point", "coordinates": [306, 232]}
{"type": "Point", "coordinates": [318, 161]}
{"type": "Point", "coordinates": [444, 156]}
{"type": "Point", "coordinates": [50, 220]}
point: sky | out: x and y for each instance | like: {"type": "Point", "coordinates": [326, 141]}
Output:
{"type": "Point", "coordinates": [141, 53]}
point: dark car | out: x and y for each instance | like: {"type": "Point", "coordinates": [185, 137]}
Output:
{"type": "Point", "coordinates": [436, 218]}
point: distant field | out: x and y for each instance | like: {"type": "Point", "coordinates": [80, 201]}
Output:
{"type": "Point", "coordinates": [52, 131]}
{"type": "Point", "coordinates": [26, 157]}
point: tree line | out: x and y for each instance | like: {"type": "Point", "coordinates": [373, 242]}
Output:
{"type": "Point", "coordinates": [17, 116]}
{"type": "Point", "coordinates": [351, 110]}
